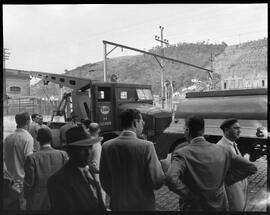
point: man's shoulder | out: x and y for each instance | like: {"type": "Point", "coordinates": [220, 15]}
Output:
{"type": "Point", "coordinates": [131, 141]}
{"type": "Point", "coordinates": [182, 149]}
{"type": "Point", "coordinates": [8, 137]}
{"type": "Point", "coordinates": [50, 151]}
{"type": "Point", "coordinates": [34, 126]}
{"type": "Point", "coordinates": [144, 142]}
{"type": "Point", "coordinates": [19, 133]}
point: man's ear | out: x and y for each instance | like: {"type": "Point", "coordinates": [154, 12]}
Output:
{"type": "Point", "coordinates": [134, 123]}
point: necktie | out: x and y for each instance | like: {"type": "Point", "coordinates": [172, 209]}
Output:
{"type": "Point", "coordinates": [92, 181]}
{"type": "Point", "coordinates": [235, 148]}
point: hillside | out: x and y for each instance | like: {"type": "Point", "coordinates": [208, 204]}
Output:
{"type": "Point", "coordinates": [146, 70]}
{"type": "Point", "coordinates": [243, 59]}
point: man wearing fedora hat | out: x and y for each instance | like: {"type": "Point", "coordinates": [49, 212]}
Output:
{"type": "Point", "coordinates": [73, 187]}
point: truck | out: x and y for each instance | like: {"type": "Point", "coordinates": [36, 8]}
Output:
{"type": "Point", "coordinates": [249, 106]}
{"type": "Point", "coordinates": [102, 102]}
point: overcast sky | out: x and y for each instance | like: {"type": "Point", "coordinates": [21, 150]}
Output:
{"type": "Point", "coordinates": [52, 38]}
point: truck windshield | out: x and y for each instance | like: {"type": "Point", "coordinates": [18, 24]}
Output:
{"type": "Point", "coordinates": [144, 94]}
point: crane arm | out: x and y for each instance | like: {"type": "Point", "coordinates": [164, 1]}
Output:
{"type": "Point", "coordinates": [62, 79]}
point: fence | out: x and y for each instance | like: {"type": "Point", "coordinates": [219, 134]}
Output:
{"type": "Point", "coordinates": [29, 104]}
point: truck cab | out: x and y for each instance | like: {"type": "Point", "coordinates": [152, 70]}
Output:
{"type": "Point", "coordinates": [105, 100]}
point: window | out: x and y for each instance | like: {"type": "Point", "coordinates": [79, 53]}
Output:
{"type": "Point", "coordinates": [144, 94]}
{"type": "Point", "coordinates": [225, 85]}
{"type": "Point", "coordinates": [263, 83]}
{"type": "Point", "coordinates": [104, 94]}
{"type": "Point", "coordinates": [101, 94]}
{"type": "Point", "coordinates": [123, 95]}
{"type": "Point", "coordinates": [15, 89]}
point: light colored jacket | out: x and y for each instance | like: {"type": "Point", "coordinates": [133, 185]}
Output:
{"type": "Point", "coordinates": [130, 172]}
{"type": "Point", "coordinates": [237, 192]}
{"type": "Point", "coordinates": [38, 168]}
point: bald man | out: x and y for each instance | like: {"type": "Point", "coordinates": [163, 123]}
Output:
{"type": "Point", "coordinates": [94, 130]}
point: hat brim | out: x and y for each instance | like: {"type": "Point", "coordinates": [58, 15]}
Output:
{"type": "Point", "coordinates": [86, 142]}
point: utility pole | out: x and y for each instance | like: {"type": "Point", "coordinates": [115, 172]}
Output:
{"type": "Point", "coordinates": [5, 57]}
{"type": "Point", "coordinates": [162, 41]}
{"type": "Point", "coordinates": [105, 63]}
{"type": "Point", "coordinates": [211, 61]}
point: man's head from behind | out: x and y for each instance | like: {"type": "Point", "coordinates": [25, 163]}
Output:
{"type": "Point", "coordinates": [44, 135]}
{"type": "Point", "coordinates": [231, 129]}
{"type": "Point", "coordinates": [79, 145]}
{"type": "Point", "coordinates": [94, 129]}
{"type": "Point", "coordinates": [132, 119]}
{"type": "Point", "coordinates": [194, 127]}
{"type": "Point", "coordinates": [22, 120]}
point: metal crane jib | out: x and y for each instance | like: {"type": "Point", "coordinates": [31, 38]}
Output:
{"type": "Point", "coordinates": [63, 80]}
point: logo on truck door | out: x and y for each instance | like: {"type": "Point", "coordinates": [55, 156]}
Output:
{"type": "Point", "coordinates": [105, 109]}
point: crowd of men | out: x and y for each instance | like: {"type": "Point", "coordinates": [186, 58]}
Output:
{"type": "Point", "coordinates": [122, 173]}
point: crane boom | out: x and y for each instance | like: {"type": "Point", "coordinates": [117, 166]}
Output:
{"type": "Point", "coordinates": [62, 79]}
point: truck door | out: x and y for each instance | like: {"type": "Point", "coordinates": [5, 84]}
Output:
{"type": "Point", "coordinates": [104, 107]}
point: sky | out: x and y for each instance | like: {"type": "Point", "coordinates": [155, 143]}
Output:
{"type": "Point", "coordinates": [52, 38]}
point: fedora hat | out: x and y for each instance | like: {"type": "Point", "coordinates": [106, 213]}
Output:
{"type": "Point", "coordinates": [76, 136]}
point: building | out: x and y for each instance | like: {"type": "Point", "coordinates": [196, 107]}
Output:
{"type": "Point", "coordinates": [249, 81]}
{"type": "Point", "coordinates": [17, 83]}
{"type": "Point", "coordinates": [19, 97]}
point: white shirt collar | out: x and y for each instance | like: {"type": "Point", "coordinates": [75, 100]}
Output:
{"type": "Point", "coordinates": [21, 129]}
{"type": "Point", "coordinates": [229, 141]}
{"type": "Point", "coordinates": [45, 145]}
{"type": "Point", "coordinates": [130, 132]}
{"type": "Point", "coordinates": [197, 138]}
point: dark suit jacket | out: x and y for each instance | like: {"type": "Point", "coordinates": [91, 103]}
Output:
{"type": "Point", "coordinates": [38, 167]}
{"type": "Point", "coordinates": [129, 172]}
{"type": "Point", "coordinates": [68, 190]}
{"type": "Point", "coordinates": [199, 170]}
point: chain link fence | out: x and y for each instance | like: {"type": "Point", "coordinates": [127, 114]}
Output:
{"type": "Point", "coordinates": [29, 104]}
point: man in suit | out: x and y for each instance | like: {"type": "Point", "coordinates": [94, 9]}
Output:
{"type": "Point", "coordinates": [129, 167]}
{"type": "Point", "coordinates": [199, 170]}
{"type": "Point", "coordinates": [237, 192]}
{"type": "Point", "coordinates": [38, 168]}
{"type": "Point", "coordinates": [73, 187]}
